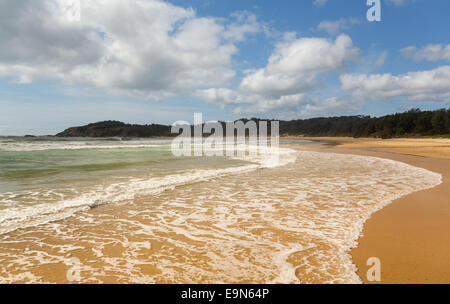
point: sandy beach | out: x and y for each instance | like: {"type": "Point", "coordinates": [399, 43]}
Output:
{"type": "Point", "coordinates": [411, 236]}
{"type": "Point", "coordinates": [222, 142]}
{"type": "Point", "coordinates": [292, 223]}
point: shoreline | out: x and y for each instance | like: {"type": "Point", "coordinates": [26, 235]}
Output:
{"type": "Point", "coordinates": [411, 235]}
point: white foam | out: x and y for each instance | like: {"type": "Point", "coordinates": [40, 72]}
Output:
{"type": "Point", "coordinates": [35, 213]}
{"type": "Point", "coordinates": [28, 146]}
{"type": "Point", "coordinates": [261, 226]}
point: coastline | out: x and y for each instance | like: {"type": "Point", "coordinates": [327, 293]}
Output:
{"type": "Point", "coordinates": [120, 243]}
{"type": "Point", "coordinates": [410, 235]}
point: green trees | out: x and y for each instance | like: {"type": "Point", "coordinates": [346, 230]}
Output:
{"type": "Point", "coordinates": [440, 122]}
{"type": "Point", "coordinates": [408, 124]}
{"type": "Point", "coordinates": [411, 123]}
{"type": "Point", "coordinates": [117, 129]}
{"type": "Point", "coordinates": [423, 123]}
{"type": "Point", "coordinates": [448, 120]}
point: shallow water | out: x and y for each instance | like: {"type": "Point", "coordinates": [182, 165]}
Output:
{"type": "Point", "coordinates": [230, 222]}
{"type": "Point", "coordinates": [45, 179]}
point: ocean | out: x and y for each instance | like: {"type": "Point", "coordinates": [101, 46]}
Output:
{"type": "Point", "coordinates": [129, 211]}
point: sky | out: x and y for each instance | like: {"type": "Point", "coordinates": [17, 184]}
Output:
{"type": "Point", "coordinates": [66, 63]}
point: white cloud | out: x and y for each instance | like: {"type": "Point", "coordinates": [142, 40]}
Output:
{"type": "Point", "coordinates": [155, 50]}
{"type": "Point", "coordinates": [292, 71]}
{"type": "Point", "coordinates": [245, 24]}
{"type": "Point", "coordinates": [319, 2]}
{"type": "Point", "coordinates": [334, 27]}
{"type": "Point", "coordinates": [430, 85]}
{"type": "Point", "coordinates": [431, 52]}
{"type": "Point", "coordinates": [295, 63]}
{"type": "Point", "coordinates": [380, 60]}
{"type": "Point", "coordinates": [150, 49]}
{"type": "Point", "coordinates": [331, 106]}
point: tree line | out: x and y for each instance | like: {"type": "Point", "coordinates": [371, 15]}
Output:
{"type": "Point", "coordinates": [413, 123]}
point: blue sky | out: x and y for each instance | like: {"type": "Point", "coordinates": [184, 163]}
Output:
{"type": "Point", "coordinates": [160, 62]}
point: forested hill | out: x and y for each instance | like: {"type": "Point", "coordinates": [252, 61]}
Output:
{"type": "Point", "coordinates": [116, 129]}
{"type": "Point", "coordinates": [408, 124]}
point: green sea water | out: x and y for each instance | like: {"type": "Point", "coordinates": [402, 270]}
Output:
{"type": "Point", "coordinates": [44, 178]}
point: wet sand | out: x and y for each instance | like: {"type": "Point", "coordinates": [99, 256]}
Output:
{"type": "Point", "coordinates": [411, 236]}
{"type": "Point", "coordinates": [288, 224]}
{"type": "Point", "coordinates": [140, 242]}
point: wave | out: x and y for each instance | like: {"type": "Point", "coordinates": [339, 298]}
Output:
{"type": "Point", "coordinates": [26, 147]}
{"type": "Point", "coordinates": [291, 224]}
{"type": "Point", "coordinates": [75, 200]}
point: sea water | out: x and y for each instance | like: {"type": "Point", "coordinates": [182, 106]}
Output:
{"type": "Point", "coordinates": [131, 212]}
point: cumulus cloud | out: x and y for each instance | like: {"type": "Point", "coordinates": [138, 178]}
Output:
{"type": "Point", "coordinates": [430, 85]}
{"type": "Point", "coordinates": [431, 52]}
{"type": "Point", "coordinates": [155, 50]}
{"type": "Point", "coordinates": [319, 2]}
{"type": "Point", "coordinates": [150, 49]}
{"type": "Point", "coordinates": [292, 71]}
{"type": "Point", "coordinates": [295, 63]}
{"type": "Point", "coordinates": [331, 106]}
{"type": "Point", "coordinates": [334, 27]}
{"type": "Point", "coordinates": [244, 25]}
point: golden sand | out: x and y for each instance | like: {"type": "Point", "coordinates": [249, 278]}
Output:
{"type": "Point", "coordinates": [434, 148]}
{"type": "Point", "coordinates": [411, 236]}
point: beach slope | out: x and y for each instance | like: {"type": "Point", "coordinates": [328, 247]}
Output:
{"type": "Point", "coordinates": [411, 236]}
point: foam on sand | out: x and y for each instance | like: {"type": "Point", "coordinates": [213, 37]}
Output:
{"type": "Point", "coordinates": [286, 224]}
{"type": "Point", "coordinates": [33, 207]}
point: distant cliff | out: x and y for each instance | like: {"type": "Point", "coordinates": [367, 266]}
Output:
{"type": "Point", "coordinates": [117, 129]}
{"type": "Point", "coordinates": [413, 123]}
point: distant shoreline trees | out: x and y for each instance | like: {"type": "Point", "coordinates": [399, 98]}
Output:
{"type": "Point", "coordinates": [413, 123]}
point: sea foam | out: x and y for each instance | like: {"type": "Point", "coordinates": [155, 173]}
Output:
{"type": "Point", "coordinates": [46, 205]}
{"type": "Point", "coordinates": [285, 224]}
